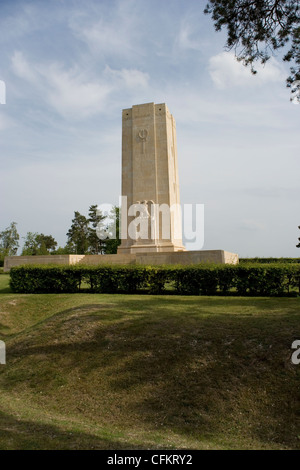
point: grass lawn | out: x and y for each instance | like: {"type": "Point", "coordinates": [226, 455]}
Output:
{"type": "Point", "coordinates": [93, 371]}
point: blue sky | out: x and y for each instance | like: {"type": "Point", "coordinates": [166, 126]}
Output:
{"type": "Point", "coordinates": [70, 67]}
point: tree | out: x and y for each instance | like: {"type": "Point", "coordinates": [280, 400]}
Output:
{"type": "Point", "coordinates": [257, 28]}
{"type": "Point", "coordinates": [46, 243]}
{"type": "Point", "coordinates": [96, 246]}
{"type": "Point", "coordinates": [78, 235]}
{"type": "Point", "coordinates": [38, 244]}
{"type": "Point", "coordinates": [83, 235]}
{"type": "Point", "coordinates": [62, 251]}
{"type": "Point", "coordinates": [298, 246]}
{"type": "Point", "coordinates": [9, 241]}
{"type": "Point", "coordinates": [30, 247]}
{"type": "Point", "coordinates": [111, 244]}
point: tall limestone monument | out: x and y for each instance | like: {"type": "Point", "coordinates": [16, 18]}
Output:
{"type": "Point", "coordinates": [150, 212]}
{"type": "Point", "coordinates": [150, 179]}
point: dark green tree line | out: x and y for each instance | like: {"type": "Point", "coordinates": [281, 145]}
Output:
{"type": "Point", "coordinates": [82, 235]}
{"type": "Point", "coordinates": [38, 244]}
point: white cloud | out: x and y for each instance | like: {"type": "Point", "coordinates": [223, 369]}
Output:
{"type": "Point", "coordinates": [26, 20]}
{"type": "Point", "coordinates": [188, 35]}
{"type": "Point", "coordinates": [69, 92]}
{"type": "Point", "coordinates": [22, 68]}
{"type": "Point", "coordinates": [109, 35]}
{"type": "Point", "coordinates": [131, 78]}
{"type": "Point", "coordinates": [2, 92]}
{"type": "Point", "coordinates": [185, 38]}
{"type": "Point", "coordinates": [226, 72]}
{"type": "Point", "coordinates": [105, 38]}
{"type": "Point", "coordinates": [72, 92]}
{"type": "Point", "coordinates": [5, 122]}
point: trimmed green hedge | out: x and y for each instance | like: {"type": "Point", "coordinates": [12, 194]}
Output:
{"type": "Point", "coordinates": [206, 279]}
{"type": "Point", "coordinates": [30, 279]}
{"type": "Point", "coordinates": [269, 260]}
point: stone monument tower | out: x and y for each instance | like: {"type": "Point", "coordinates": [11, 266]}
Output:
{"type": "Point", "coordinates": [150, 177]}
{"type": "Point", "coordinates": [149, 180]}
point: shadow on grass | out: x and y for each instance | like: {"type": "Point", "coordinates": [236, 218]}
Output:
{"type": "Point", "coordinates": [201, 374]}
{"type": "Point", "coordinates": [4, 284]}
{"type": "Point", "coordinates": [5, 290]}
{"type": "Point", "coordinates": [16, 434]}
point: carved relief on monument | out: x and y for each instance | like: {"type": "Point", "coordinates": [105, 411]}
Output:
{"type": "Point", "coordinates": [146, 224]}
{"type": "Point", "coordinates": [142, 137]}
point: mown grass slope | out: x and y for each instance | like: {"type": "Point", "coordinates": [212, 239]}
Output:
{"type": "Point", "coordinates": [139, 372]}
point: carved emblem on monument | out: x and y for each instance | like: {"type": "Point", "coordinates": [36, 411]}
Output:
{"type": "Point", "coordinates": [143, 135]}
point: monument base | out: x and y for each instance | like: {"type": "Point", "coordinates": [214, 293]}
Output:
{"type": "Point", "coordinates": [148, 248]}
{"type": "Point", "coordinates": [177, 257]}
